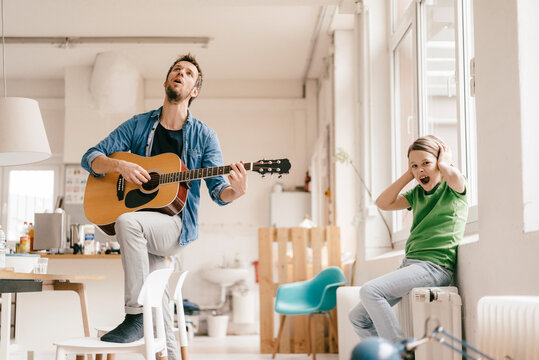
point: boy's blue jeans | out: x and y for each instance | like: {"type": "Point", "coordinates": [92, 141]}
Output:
{"type": "Point", "coordinates": [373, 316]}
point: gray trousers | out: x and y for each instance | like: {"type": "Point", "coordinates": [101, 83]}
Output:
{"type": "Point", "coordinates": [373, 316]}
{"type": "Point", "coordinates": [146, 238]}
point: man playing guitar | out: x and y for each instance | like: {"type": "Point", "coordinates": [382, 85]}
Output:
{"type": "Point", "coordinates": [147, 237]}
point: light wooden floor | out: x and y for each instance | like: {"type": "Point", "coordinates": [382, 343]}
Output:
{"type": "Point", "coordinates": [206, 348]}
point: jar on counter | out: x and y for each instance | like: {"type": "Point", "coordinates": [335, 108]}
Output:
{"type": "Point", "coordinates": [24, 244]}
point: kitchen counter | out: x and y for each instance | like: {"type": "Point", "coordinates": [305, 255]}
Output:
{"type": "Point", "coordinates": [80, 257]}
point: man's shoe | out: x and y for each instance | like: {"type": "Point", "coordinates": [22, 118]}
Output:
{"type": "Point", "coordinates": [129, 330]}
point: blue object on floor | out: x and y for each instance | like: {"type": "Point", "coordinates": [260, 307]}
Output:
{"type": "Point", "coordinates": [315, 296]}
{"type": "Point", "coordinates": [376, 348]}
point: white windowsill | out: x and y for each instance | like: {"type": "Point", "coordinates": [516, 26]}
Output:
{"type": "Point", "coordinates": [468, 239]}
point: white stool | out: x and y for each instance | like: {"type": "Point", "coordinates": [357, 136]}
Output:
{"type": "Point", "coordinates": [181, 330]}
{"type": "Point", "coordinates": [150, 296]}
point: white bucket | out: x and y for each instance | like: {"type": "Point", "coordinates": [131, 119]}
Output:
{"type": "Point", "coordinates": [244, 307]}
{"type": "Point", "coordinates": [217, 325]}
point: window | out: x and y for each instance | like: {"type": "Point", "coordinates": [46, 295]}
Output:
{"type": "Point", "coordinates": [432, 45]}
{"type": "Point", "coordinates": [25, 192]}
{"type": "Point", "coordinates": [439, 73]}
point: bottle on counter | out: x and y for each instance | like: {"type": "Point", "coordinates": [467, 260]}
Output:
{"type": "Point", "coordinates": [2, 248]}
{"type": "Point", "coordinates": [24, 240]}
{"type": "Point", "coordinates": [89, 239]}
{"type": "Point", "coordinates": [31, 236]}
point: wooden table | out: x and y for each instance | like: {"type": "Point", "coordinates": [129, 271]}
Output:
{"type": "Point", "coordinates": [12, 282]}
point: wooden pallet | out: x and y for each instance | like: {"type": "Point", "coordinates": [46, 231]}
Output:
{"type": "Point", "coordinates": [289, 255]}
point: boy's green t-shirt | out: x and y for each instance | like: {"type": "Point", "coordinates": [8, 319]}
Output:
{"type": "Point", "coordinates": [439, 219]}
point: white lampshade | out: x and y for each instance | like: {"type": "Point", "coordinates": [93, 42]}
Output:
{"type": "Point", "coordinates": [23, 139]}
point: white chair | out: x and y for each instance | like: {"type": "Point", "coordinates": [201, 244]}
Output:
{"type": "Point", "coordinates": [180, 316]}
{"type": "Point", "coordinates": [151, 296]}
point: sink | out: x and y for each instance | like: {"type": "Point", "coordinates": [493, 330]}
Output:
{"type": "Point", "coordinates": [225, 276]}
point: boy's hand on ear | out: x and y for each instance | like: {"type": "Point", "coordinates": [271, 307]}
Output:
{"type": "Point", "coordinates": [450, 173]}
{"type": "Point", "coordinates": [445, 156]}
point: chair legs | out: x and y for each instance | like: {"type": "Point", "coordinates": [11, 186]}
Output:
{"type": "Point", "coordinates": [109, 357]}
{"type": "Point", "coordinates": [278, 340]}
{"type": "Point", "coordinates": [183, 352]}
{"type": "Point", "coordinates": [311, 338]}
{"type": "Point", "coordinates": [312, 330]}
{"type": "Point", "coordinates": [333, 326]}
{"type": "Point", "coordinates": [311, 345]}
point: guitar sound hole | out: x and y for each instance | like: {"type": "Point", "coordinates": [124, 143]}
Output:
{"type": "Point", "coordinates": [153, 183]}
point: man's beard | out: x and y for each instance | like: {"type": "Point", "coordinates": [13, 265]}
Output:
{"type": "Point", "coordinates": [172, 95]}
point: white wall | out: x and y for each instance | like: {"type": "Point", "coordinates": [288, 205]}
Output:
{"type": "Point", "coordinates": [504, 260]}
{"type": "Point", "coordinates": [85, 123]}
{"type": "Point", "coordinates": [345, 136]}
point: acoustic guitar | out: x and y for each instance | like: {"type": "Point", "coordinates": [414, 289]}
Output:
{"type": "Point", "coordinates": [108, 197]}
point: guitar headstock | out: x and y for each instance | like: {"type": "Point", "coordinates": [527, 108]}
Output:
{"type": "Point", "coordinates": [280, 166]}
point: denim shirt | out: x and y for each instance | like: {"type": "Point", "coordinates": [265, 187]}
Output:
{"type": "Point", "coordinates": [201, 149]}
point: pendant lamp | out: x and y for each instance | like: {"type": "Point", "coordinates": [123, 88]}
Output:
{"type": "Point", "coordinates": [23, 139]}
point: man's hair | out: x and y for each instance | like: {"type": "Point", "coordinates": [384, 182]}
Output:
{"type": "Point", "coordinates": [189, 58]}
{"type": "Point", "coordinates": [428, 143]}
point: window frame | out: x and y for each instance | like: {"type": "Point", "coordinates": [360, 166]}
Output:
{"type": "Point", "coordinates": [407, 23]}
{"type": "Point", "coordinates": [466, 101]}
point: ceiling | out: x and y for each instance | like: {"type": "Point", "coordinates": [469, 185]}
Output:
{"type": "Point", "coordinates": [250, 39]}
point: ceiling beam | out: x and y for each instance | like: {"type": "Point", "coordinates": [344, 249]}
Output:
{"type": "Point", "coordinates": [264, 2]}
{"type": "Point", "coordinates": [68, 41]}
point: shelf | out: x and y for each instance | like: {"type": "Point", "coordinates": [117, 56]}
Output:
{"type": "Point", "coordinates": [81, 257]}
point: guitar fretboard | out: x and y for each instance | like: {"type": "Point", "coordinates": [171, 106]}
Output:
{"type": "Point", "coordinates": [196, 174]}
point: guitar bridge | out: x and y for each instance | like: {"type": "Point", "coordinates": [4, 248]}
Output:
{"type": "Point", "coordinates": [120, 188]}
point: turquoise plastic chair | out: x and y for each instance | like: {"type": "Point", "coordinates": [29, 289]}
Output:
{"type": "Point", "coordinates": [311, 297]}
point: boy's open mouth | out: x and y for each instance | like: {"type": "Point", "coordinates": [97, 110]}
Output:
{"type": "Point", "coordinates": [424, 179]}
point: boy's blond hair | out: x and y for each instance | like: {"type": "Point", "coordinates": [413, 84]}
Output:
{"type": "Point", "coordinates": [428, 143]}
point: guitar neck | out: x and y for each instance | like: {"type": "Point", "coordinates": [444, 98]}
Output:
{"type": "Point", "coordinates": [184, 176]}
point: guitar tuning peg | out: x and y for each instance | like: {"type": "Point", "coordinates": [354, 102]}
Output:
{"type": "Point", "coordinates": [263, 175]}
{"type": "Point", "coordinates": [280, 176]}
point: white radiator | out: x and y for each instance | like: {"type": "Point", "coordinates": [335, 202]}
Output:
{"type": "Point", "coordinates": [509, 325]}
{"type": "Point", "coordinates": [445, 304]}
